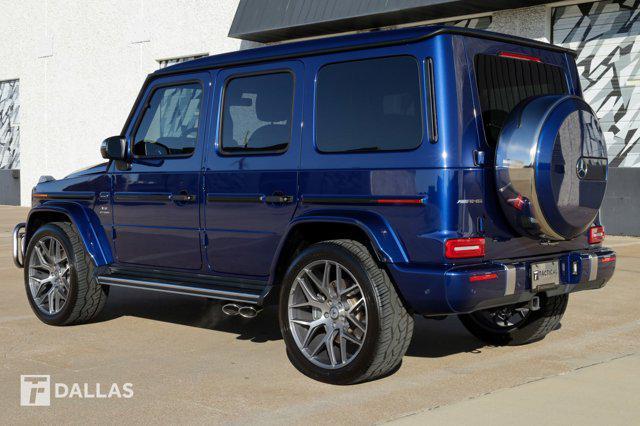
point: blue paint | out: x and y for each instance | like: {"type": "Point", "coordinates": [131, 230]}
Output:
{"type": "Point", "coordinates": [133, 222]}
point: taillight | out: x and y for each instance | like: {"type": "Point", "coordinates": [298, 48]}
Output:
{"type": "Point", "coordinates": [596, 234]}
{"type": "Point", "coordinates": [483, 277]}
{"type": "Point", "coordinates": [460, 248]}
{"type": "Point", "coordinates": [607, 259]}
{"type": "Point", "coordinates": [520, 56]}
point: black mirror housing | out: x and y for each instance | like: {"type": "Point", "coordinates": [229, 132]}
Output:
{"type": "Point", "coordinates": [114, 148]}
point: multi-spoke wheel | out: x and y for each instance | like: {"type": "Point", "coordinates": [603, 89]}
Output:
{"type": "Point", "coordinates": [59, 278]}
{"type": "Point", "coordinates": [516, 324]}
{"type": "Point", "coordinates": [340, 316]}
{"type": "Point", "coordinates": [327, 314]}
{"type": "Point", "coordinates": [49, 275]}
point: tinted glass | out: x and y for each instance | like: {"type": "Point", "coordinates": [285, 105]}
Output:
{"type": "Point", "coordinates": [504, 82]}
{"type": "Point", "coordinates": [369, 105]}
{"type": "Point", "coordinates": [170, 124]}
{"type": "Point", "coordinates": [256, 114]}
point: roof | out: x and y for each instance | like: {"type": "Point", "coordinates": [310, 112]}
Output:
{"type": "Point", "coordinates": [276, 20]}
{"type": "Point", "coordinates": [343, 43]}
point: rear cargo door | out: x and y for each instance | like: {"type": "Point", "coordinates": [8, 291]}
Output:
{"type": "Point", "coordinates": [504, 75]}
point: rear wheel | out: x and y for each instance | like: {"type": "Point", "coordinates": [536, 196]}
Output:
{"type": "Point", "coordinates": [516, 324]}
{"type": "Point", "coordinates": [340, 316]}
{"type": "Point", "coordinates": [58, 272]}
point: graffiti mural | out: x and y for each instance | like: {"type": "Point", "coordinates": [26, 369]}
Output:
{"type": "Point", "coordinates": [9, 127]}
{"type": "Point", "coordinates": [607, 36]}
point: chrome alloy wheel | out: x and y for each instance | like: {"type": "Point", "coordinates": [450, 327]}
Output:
{"type": "Point", "coordinates": [327, 314]}
{"type": "Point", "coordinates": [49, 275]}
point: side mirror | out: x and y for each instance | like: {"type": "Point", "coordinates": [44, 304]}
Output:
{"type": "Point", "coordinates": [114, 148]}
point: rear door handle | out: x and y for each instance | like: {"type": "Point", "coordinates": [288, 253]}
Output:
{"type": "Point", "coordinates": [182, 197]}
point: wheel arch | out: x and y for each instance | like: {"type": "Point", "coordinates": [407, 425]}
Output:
{"type": "Point", "coordinates": [83, 219]}
{"type": "Point", "coordinates": [368, 228]}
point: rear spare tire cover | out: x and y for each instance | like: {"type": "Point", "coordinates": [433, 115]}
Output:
{"type": "Point", "coordinates": [551, 167]}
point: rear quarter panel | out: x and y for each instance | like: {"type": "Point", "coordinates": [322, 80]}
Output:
{"type": "Point", "coordinates": [433, 170]}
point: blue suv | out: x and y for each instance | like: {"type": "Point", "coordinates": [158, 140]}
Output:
{"type": "Point", "coordinates": [354, 181]}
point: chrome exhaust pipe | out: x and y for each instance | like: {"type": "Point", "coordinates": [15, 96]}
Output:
{"type": "Point", "coordinates": [231, 309]}
{"type": "Point", "coordinates": [248, 311]}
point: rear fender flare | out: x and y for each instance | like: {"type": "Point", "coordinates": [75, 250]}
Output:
{"type": "Point", "coordinates": [86, 223]}
{"type": "Point", "coordinates": [383, 238]}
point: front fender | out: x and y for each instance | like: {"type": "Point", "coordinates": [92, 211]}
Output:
{"type": "Point", "coordinates": [86, 223]}
{"type": "Point", "coordinates": [383, 238]}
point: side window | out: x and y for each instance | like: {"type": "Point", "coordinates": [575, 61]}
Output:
{"type": "Point", "coordinates": [369, 105]}
{"type": "Point", "coordinates": [256, 113]}
{"type": "Point", "coordinates": [169, 126]}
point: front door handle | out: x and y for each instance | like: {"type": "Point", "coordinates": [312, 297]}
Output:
{"type": "Point", "coordinates": [278, 199]}
{"type": "Point", "coordinates": [182, 197]}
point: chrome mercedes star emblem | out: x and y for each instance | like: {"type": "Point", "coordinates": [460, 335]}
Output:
{"type": "Point", "coordinates": [581, 168]}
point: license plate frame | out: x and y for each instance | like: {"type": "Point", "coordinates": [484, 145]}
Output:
{"type": "Point", "coordinates": [545, 274]}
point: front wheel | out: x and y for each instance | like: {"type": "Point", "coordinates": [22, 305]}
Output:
{"type": "Point", "coordinates": [340, 316]}
{"type": "Point", "coordinates": [59, 277]}
{"type": "Point", "coordinates": [516, 324]}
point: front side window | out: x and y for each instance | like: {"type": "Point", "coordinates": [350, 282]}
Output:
{"type": "Point", "coordinates": [256, 113]}
{"type": "Point", "coordinates": [169, 126]}
{"type": "Point", "coordinates": [369, 105]}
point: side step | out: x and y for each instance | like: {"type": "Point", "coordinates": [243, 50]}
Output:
{"type": "Point", "coordinates": [213, 292]}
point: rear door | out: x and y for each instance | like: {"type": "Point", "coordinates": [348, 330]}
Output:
{"type": "Point", "coordinates": [251, 174]}
{"type": "Point", "coordinates": [155, 201]}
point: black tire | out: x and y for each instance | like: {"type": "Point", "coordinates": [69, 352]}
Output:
{"type": "Point", "coordinates": [389, 328]}
{"type": "Point", "coordinates": [86, 297]}
{"type": "Point", "coordinates": [535, 326]}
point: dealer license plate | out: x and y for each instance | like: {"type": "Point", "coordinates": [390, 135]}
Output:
{"type": "Point", "coordinates": [544, 274]}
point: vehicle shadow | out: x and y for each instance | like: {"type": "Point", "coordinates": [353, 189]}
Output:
{"type": "Point", "coordinates": [431, 338]}
{"type": "Point", "coordinates": [189, 311]}
{"type": "Point", "coordinates": [440, 338]}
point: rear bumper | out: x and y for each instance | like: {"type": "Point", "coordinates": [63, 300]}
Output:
{"type": "Point", "coordinates": [449, 290]}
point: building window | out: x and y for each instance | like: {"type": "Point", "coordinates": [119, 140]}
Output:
{"type": "Point", "coordinates": [163, 63]}
{"type": "Point", "coordinates": [369, 105]}
{"type": "Point", "coordinates": [256, 116]}
{"type": "Point", "coordinates": [10, 124]}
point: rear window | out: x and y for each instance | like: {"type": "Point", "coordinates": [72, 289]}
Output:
{"type": "Point", "coordinates": [369, 105]}
{"type": "Point", "coordinates": [505, 82]}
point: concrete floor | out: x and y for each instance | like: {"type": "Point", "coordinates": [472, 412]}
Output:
{"type": "Point", "coordinates": [190, 364]}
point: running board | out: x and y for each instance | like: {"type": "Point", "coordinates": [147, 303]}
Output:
{"type": "Point", "coordinates": [168, 287]}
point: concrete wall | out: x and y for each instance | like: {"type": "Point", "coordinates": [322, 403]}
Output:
{"type": "Point", "coordinates": [530, 22]}
{"type": "Point", "coordinates": [81, 64]}
{"type": "Point", "coordinates": [10, 187]}
{"type": "Point", "coordinates": [619, 212]}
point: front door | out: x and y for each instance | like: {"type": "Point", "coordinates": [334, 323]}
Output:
{"type": "Point", "coordinates": [251, 175]}
{"type": "Point", "coordinates": [156, 199]}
